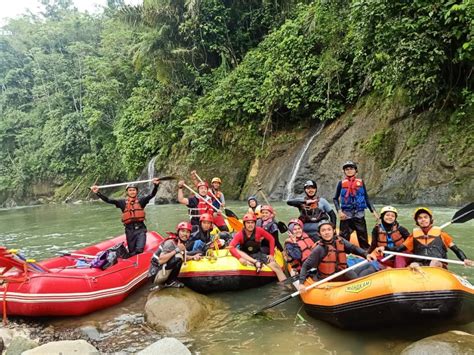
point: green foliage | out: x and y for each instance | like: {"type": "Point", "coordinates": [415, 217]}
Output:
{"type": "Point", "coordinates": [99, 96]}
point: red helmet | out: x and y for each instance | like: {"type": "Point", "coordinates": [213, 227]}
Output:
{"type": "Point", "coordinates": [267, 208]}
{"type": "Point", "coordinates": [295, 221]}
{"type": "Point", "coordinates": [249, 217]}
{"type": "Point", "coordinates": [184, 225]}
{"type": "Point", "coordinates": [202, 183]}
{"type": "Point", "coordinates": [206, 217]}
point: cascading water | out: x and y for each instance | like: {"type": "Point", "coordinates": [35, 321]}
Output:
{"type": "Point", "coordinates": [151, 175]}
{"type": "Point", "coordinates": [296, 166]}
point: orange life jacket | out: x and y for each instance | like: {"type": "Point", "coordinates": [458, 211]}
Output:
{"type": "Point", "coordinates": [306, 244]}
{"type": "Point", "coordinates": [335, 259]}
{"type": "Point", "coordinates": [133, 211]}
{"type": "Point", "coordinates": [382, 240]}
{"type": "Point", "coordinates": [430, 244]}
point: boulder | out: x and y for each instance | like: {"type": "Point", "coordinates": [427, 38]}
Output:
{"type": "Point", "coordinates": [20, 344]}
{"type": "Point", "coordinates": [64, 347]}
{"type": "Point", "coordinates": [166, 346]}
{"type": "Point", "coordinates": [453, 342]}
{"type": "Point", "coordinates": [6, 335]}
{"type": "Point", "coordinates": [177, 310]}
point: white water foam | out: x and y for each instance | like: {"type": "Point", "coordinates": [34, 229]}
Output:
{"type": "Point", "coordinates": [151, 175]}
{"type": "Point", "coordinates": [296, 166]}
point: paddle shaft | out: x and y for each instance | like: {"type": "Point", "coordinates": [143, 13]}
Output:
{"type": "Point", "coordinates": [210, 190]}
{"type": "Point", "coordinates": [124, 183]}
{"type": "Point", "coordinates": [329, 278]}
{"type": "Point", "coordinates": [414, 256]}
{"type": "Point", "coordinates": [79, 255]}
{"type": "Point", "coordinates": [202, 198]}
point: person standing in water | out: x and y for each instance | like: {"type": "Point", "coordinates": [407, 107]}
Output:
{"type": "Point", "coordinates": [133, 215]}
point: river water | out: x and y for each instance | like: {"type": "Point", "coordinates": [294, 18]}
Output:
{"type": "Point", "coordinates": [41, 231]}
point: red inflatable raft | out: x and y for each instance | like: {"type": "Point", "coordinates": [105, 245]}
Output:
{"type": "Point", "coordinates": [57, 287]}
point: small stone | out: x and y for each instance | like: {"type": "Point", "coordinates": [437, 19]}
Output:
{"type": "Point", "coordinates": [90, 332]}
{"type": "Point", "coordinates": [166, 346]}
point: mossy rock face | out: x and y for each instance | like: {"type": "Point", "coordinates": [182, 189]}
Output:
{"type": "Point", "coordinates": [453, 342]}
{"type": "Point", "coordinates": [176, 311]}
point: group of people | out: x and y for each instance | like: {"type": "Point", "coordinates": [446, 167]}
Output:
{"type": "Point", "coordinates": [313, 248]}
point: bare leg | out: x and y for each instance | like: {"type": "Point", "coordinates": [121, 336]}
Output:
{"type": "Point", "coordinates": [277, 270]}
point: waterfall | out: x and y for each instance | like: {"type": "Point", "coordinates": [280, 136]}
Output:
{"type": "Point", "coordinates": [296, 166]}
{"type": "Point", "coordinates": [151, 175]}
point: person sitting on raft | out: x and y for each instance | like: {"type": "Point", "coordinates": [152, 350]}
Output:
{"type": "Point", "coordinates": [166, 262]}
{"type": "Point", "coordinates": [429, 240]}
{"type": "Point", "coordinates": [330, 256]}
{"type": "Point", "coordinates": [312, 209]}
{"type": "Point", "coordinates": [298, 246]}
{"type": "Point", "coordinates": [133, 215]}
{"type": "Point", "coordinates": [389, 233]}
{"type": "Point", "coordinates": [351, 200]}
{"type": "Point", "coordinates": [201, 236]}
{"type": "Point", "coordinates": [198, 204]}
{"type": "Point", "coordinates": [254, 207]}
{"type": "Point", "coordinates": [249, 239]}
{"type": "Point", "coordinates": [267, 222]}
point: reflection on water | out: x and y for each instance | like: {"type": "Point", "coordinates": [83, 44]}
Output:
{"type": "Point", "coordinates": [43, 231]}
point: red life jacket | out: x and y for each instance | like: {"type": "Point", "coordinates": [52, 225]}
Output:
{"type": "Point", "coordinates": [133, 212]}
{"type": "Point", "coordinates": [202, 207]}
{"type": "Point", "coordinates": [335, 259]}
{"type": "Point", "coordinates": [395, 234]}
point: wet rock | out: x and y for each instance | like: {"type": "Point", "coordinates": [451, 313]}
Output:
{"type": "Point", "coordinates": [2, 345]}
{"type": "Point", "coordinates": [90, 332]}
{"type": "Point", "coordinates": [454, 342]}
{"type": "Point", "coordinates": [64, 347]}
{"type": "Point", "coordinates": [6, 335]}
{"type": "Point", "coordinates": [166, 346]}
{"type": "Point", "coordinates": [20, 344]}
{"type": "Point", "coordinates": [176, 310]}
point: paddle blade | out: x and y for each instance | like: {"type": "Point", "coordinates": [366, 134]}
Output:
{"type": "Point", "coordinates": [464, 214]}
{"type": "Point", "coordinates": [235, 223]}
{"type": "Point", "coordinates": [167, 178]}
{"type": "Point", "coordinates": [273, 304]}
{"type": "Point", "coordinates": [282, 228]}
{"type": "Point", "coordinates": [229, 213]}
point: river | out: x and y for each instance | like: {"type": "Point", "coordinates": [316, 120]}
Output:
{"type": "Point", "coordinates": [42, 231]}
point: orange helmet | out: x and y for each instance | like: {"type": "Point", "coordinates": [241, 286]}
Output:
{"type": "Point", "coordinates": [249, 217]}
{"type": "Point", "coordinates": [206, 217]}
{"type": "Point", "coordinates": [184, 225]}
{"type": "Point", "coordinates": [267, 208]}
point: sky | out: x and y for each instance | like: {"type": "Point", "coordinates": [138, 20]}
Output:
{"type": "Point", "coordinates": [13, 8]}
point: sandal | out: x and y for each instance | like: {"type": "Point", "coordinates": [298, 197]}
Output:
{"type": "Point", "coordinates": [258, 266]}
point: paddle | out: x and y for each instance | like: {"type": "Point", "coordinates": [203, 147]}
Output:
{"type": "Point", "coordinates": [210, 191]}
{"type": "Point", "coordinates": [465, 214]}
{"type": "Point", "coordinates": [78, 255]}
{"type": "Point", "coordinates": [414, 256]}
{"type": "Point", "coordinates": [163, 178]}
{"type": "Point", "coordinates": [329, 278]}
{"type": "Point", "coordinates": [282, 227]}
{"type": "Point", "coordinates": [234, 223]}
{"type": "Point", "coordinates": [229, 213]}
